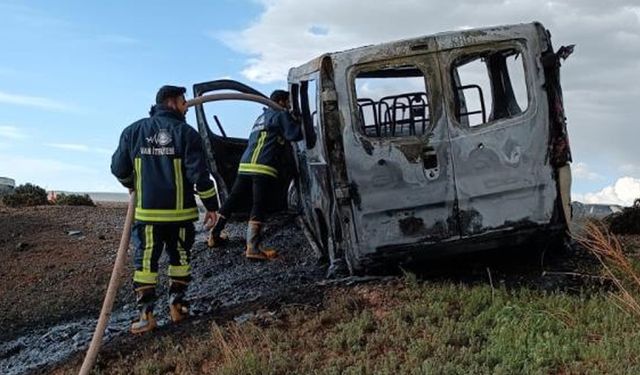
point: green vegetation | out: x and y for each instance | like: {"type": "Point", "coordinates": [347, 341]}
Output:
{"type": "Point", "coordinates": [411, 327]}
{"type": "Point", "coordinates": [26, 195]}
{"type": "Point", "coordinates": [74, 200]}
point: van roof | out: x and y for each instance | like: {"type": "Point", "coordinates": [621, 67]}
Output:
{"type": "Point", "coordinates": [434, 42]}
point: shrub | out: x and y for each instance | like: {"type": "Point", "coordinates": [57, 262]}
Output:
{"type": "Point", "coordinates": [74, 200]}
{"type": "Point", "coordinates": [26, 195]}
{"type": "Point", "coordinates": [627, 221]}
{"type": "Point", "coordinates": [618, 266]}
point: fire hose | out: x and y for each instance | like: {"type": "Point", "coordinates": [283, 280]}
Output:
{"type": "Point", "coordinates": [118, 267]}
{"type": "Point", "coordinates": [112, 290]}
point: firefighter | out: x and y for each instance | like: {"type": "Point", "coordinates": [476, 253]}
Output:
{"type": "Point", "coordinates": [161, 158]}
{"type": "Point", "coordinates": [257, 175]}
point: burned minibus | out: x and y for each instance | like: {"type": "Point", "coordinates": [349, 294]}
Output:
{"type": "Point", "coordinates": [442, 144]}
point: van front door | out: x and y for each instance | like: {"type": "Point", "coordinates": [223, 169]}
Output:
{"type": "Point", "coordinates": [224, 152]}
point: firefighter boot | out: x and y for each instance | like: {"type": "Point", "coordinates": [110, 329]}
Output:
{"type": "Point", "coordinates": [178, 306]}
{"type": "Point", "coordinates": [145, 297]}
{"type": "Point", "coordinates": [254, 243]}
{"type": "Point", "coordinates": [218, 237]}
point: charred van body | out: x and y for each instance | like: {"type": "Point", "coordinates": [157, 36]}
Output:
{"type": "Point", "coordinates": [442, 144]}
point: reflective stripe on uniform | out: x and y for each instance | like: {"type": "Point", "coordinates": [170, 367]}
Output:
{"type": "Point", "coordinates": [207, 193]}
{"type": "Point", "coordinates": [144, 277]}
{"type": "Point", "coordinates": [181, 251]}
{"type": "Point", "coordinates": [179, 271]}
{"type": "Point", "coordinates": [177, 171]}
{"type": "Point", "coordinates": [166, 215]}
{"type": "Point", "coordinates": [258, 168]}
{"type": "Point", "coordinates": [138, 170]}
{"type": "Point", "coordinates": [259, 145]}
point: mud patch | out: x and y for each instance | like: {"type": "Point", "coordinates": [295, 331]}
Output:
{"type": "Point", "coordinates": [221, 279]}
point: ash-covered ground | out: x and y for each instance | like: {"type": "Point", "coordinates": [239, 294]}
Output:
{"type": "Point", "coordinates": [52, 295]}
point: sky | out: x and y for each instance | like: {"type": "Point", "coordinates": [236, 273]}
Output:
{"type": "Point", "coordinates": [73, 74]}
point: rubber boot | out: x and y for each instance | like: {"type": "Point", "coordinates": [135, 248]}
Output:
{"type": "Point", "coordinates": [254, 249]}
{"type": "Point", "coordinates": [178, 306]}
{"type": "Point", "coordinates": [145, 298]}
{"type": "Point", "coordinates": [218, 237]}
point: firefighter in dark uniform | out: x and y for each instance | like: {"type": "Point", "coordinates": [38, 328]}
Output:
{"type": "Point", "coordinates": [257, 174]}
{"type": "Point", "coordinates": [161, 158]}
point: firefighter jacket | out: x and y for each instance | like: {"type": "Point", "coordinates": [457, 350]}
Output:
{"type": "Point", "coordinates": [267, 142]}
{"type": "Point", "coordinates": [161, 158]}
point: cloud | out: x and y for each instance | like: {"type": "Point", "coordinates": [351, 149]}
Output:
{"type": "Point", "coordinates": [80, 148]}
{"type": "Point", "coordinates": [53, 174]}
{"type": "Point", "coordinates": [289, 32]}
{"type": "Point", "coordinates": [36, 102]}
{"type": "Point", "coordinates": [598, 79]}
{"type": "Point", "coordinates": [29, 17]}
{"type": "Point", "coordinates": [40, 171]}
{"type": "Point", "coordinates": [623, 192]}
{"type": "Point", "coordinates": [11, 132]}
{"type": "Point", "coordinates": [632, 170]}
{"type": "Point", "coordinates": [582, 171]}
{"type": "Point", "coordinates": [69, 146]}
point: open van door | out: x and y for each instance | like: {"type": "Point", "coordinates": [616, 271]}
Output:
{"type": "Point", "coordinates": [224, 152]}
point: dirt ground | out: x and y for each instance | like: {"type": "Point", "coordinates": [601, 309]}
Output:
{"type": "Point", "coordinates": [56, 262]}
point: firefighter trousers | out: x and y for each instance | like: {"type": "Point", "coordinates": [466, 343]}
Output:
{"type": "Point", "coordinates": [257, 188]}
{"type": "Point", "coordinates": [149, 241]}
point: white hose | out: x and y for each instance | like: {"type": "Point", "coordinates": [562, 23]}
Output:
{"type": "Point", "coordinates": [112, 290]}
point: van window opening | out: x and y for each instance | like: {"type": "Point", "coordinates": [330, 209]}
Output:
{"type": "Point", "coordinates": [309, 112]}
{"type": "Point", "coordinates": [228, 118]}
{"type": "Point", "coordinates": [489, 86]}
{"type": "Point", "coordinates": [392, 102]}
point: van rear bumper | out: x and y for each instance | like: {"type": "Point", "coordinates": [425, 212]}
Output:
{"type": "Point", "coordinates": [542, 235]}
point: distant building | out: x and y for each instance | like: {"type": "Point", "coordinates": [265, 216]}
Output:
{"type": "Point", "coordinates": [6, 185]}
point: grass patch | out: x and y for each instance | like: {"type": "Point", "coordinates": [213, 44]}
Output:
{"type": "Point", "coordinates": [411, 327]}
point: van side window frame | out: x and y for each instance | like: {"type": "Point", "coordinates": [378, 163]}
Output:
{"type": "Point", "coordinates": [389, 134]}
{"type": "Point", "coordinates": [462, 119]}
